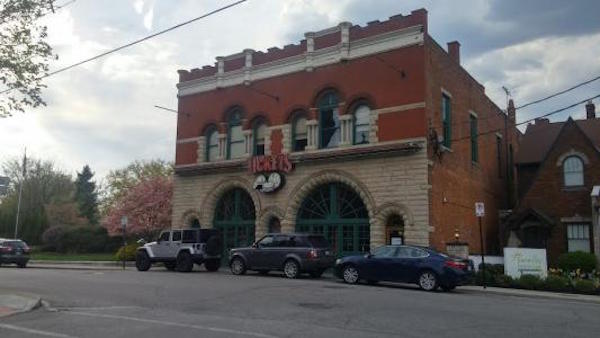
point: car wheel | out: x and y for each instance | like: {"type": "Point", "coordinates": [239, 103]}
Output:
{"type": "Point", "coordinates": [263, 272]}
{"type": "Point", "coordinates": [212, 264]}
{"type": "Point", "coordinates": [428, 281]}
{"type": "Point", "coordinates": [291, 269]}
{"type": "Point", "coordinates": [142, 261]}
{"type": "Point", "coordinates": [184, 262]}
{"type": "Point", "coordinates": [170, 266]}
{"type": "Point", "coordinates": [350, 274]}
{"type": "Point", "coordinates": [316, 273]}
{"type": "Point", "coordinates": [238, 267]}
{"type": "Point", "coordinates": [22, 265]}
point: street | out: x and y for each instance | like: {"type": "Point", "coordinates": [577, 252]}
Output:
{"type": "Point", "coordinates": [159, 303]}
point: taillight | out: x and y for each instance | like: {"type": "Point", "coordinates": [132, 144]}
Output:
{"type": "Point", "coordinates": [5, 249]}
{"type": "Point", "coordinates": [312, 254]}
{"type": "Point", "coordinates": [456, 265]}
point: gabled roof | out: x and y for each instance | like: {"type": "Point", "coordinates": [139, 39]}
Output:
{"type": "Point", "coordinates": [539, 138]}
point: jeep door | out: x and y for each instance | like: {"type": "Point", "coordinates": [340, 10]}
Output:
{"type": "Point", "coordinates": [175, 244]}
{"type": "Point", "coordinates": [160, 250]}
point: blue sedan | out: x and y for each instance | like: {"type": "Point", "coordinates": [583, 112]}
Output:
{"type": "Point", "coordinates": [405, 264]}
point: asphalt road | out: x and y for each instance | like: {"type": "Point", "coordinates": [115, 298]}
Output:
{"type": "Point", "coordinates": [203, 304]}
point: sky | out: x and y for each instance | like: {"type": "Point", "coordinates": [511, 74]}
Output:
{"type": "Point", "coordinates": [102, 113]}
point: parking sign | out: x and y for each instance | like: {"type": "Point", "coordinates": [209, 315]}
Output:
{"type": "Point", "coordinates": [479, 209]}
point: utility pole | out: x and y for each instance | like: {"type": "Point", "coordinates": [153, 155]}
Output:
{"type": "Point", "coordinates": [21, 192]}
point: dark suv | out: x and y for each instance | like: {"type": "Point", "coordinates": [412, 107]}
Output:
{"type": "Point", "coordinates": [14, 251]}
{"type": "Point", "coordinates": [291, 253]}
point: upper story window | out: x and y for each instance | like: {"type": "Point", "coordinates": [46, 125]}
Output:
{"type": "Point", "coordinates": [299, 133]}
{"type": "Point", "coordinates": [212, 145]}
{"type": "Point", "coordinates": [260, 132]}
{"type": "Point", "coordinates": [236, 147]}
{"type": "Point", "coordinates": [329, 121]}
{"type": "Point", "coordinates": [362, 116]}
{"type": "Point", "coordinates": [573, 171]}
{"type": "Point", "coordinates": [474, 138]}
{"type": "Point", "coordinates": [447, 120]}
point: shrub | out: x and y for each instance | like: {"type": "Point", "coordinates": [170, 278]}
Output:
{"type": "Point", "coordinates": [127, 252]}
{"type": "Point", "coordinates": [530, 282]}
{"type": "Point", "coordinates": [572, 261]}
{"type": "Point", "coordinates": [557, 283]}
{"type": "Point", "coordinates": [503, 281]}
{"type": "Point", "coordinates": [86, 239]}
{"type": "Point", "coordinates": [584, 286]}
{"type": "Point", "coordinates": [53, 238]}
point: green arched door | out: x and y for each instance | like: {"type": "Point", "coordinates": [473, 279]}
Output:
{"type": "Point", "coordinates": [336, 211]}
{"type": "Point", "coordinates": [235, 216]}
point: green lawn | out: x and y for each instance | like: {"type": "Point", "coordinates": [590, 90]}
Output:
{"type": "Point", "coordinates": [53, 256]}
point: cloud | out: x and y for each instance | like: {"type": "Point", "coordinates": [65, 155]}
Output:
{"type": "Point", "coordinates": [148, 17]}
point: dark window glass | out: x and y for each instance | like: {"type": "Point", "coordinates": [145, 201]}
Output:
{"type": "Point", "coordinates": [176, 236]}
{"type": "Point", "coordinates": [329, 121]}
{"type": "Point", "coordinates": [447, 120]}
{"type": "Point", "coordinates": [362, 117]}
{"type": "Point", "coordinates": [260, 132]}
{"type": "Point", "coordinates": [15, 244]}
{"type": "Point", "coordinates": [189, 236]}
{"type": "Point", "coordinates": [318, 241]}
{"type": "Point", "coordinates": [281, 241]}
{"type": "Point", "coordinates": [300, 134]}
{"type": "Point", "coordinates": [384, 251]}
{"type": "Point", "coordinates": [266, 242]}
{"type": "Point", "coordinates": [212, 145]}
{"type": "Point", "coordinates": [474, 139]}
{"type": "Point", "coordinates": [164, 236]}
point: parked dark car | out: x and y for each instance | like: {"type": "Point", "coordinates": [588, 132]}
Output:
{"type": "Point", "coordinates": [291, 253]}
{"type": "Point", "coordinates": [14, 251]}
{"type": "Point", "coordinates": [406, 264]}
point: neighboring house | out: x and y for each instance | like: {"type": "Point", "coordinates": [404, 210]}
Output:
{"type": "Point", "coordinates": [558, 165]}
{"type": "Point", "coordinates": [368, 135]}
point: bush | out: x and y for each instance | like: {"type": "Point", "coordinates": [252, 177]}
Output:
{"type": "Point", "coordinates": [530, 282]}
{"type": "Point", "coordinates": [53, 238]}
{"type": "Point", "coordinates": [557, 283]}
{"type": "Point", "coordinates": [504, 281]}
{"type": "Point", "coordinates": [86, 239]}
{"type": "Point", "coordinates": [572, 261]}
{"type": "Point", "coordinates": [127, 252]}
{"type": "Point", "coordinates": [584, 286]}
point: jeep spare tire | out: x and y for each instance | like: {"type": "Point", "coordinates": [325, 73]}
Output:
{"type": "Point", "coordinates": [214, 246]}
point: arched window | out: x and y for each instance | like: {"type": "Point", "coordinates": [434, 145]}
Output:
{"type": "Point", "coordinates": [573, 171]}
{"type": "Point", "coordinates": [362, 116]}
{"type": "Point", "coordinates": [299, 133]}
{"type": "Point", "coordinates": [260, 132]}
{"type": "Point", "coordinates": [329, 121]}
{"type": "Point", "coordinates": [235, 137]}
{"type": "Point", "coordinates": [212, 145]}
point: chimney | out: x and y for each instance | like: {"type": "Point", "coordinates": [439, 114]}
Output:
{"type": "Point", "coordinates": [454, 51]}
{"type": "Point", "coordinates": [541, 121]}
{"type": "Point", "coordinates": [590, 110]}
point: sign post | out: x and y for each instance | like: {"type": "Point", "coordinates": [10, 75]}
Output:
{"type": "Point", "coordinates": [480, 212]}
{"type": "Point", "coordinates": [124, 227]}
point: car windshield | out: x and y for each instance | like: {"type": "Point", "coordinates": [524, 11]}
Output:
{"type": "Point", "coordinates": [318, 242]}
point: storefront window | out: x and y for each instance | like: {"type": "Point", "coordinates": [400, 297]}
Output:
{"type": "Point", "coordinates": [329, 121]}
{"type": "Point", "coordinates": [362, 116]}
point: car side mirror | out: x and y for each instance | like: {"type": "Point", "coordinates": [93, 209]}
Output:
{"type": "Point", "coordinates": [368, 255]}
{"type": "Point", "coordinates": [255, 245]}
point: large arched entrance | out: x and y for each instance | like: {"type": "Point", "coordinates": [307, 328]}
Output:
{"type": "Point", "coordinates": [336, 211]}
{"type": "Point", "coordinates": [235, 217]}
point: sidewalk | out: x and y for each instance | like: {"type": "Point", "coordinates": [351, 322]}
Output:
{"type": "Point", "coordinates": [11, 304]}
{"type": "Point", "coordinates": [530, 293]}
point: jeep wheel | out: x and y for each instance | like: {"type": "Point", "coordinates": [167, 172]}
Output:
{"type": "Point", "coordinates": [238, 267]}
{"type": "Point", "coordinates": [214, 246]}
{"type": "Point", "coordinates": [170, 266]}
{"type": "Point", "coordinates": [212, 264]}
{"type": "Point", "coordinates": [184, 262]}
{"type": "Point", "coordinates": [142, 261]}
{"type": "Point", "coordinates": [291, 269]}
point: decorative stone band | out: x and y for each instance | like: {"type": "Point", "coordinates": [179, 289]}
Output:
{"type": "Point", "coordinates": [404, 148]}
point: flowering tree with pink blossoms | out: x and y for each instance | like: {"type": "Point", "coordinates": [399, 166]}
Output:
{"type": "Point", "coordinates": [147, 206]}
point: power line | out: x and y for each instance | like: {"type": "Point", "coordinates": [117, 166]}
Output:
{"type": "Point", "coordinates": [559, 93]}
{"type": "Point", "coordinates": [135, 42]}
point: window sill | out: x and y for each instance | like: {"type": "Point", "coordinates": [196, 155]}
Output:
{"type": "Point", "coordinates": [575, 188]}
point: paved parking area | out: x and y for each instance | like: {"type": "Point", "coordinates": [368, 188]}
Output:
{"type": "Point", "coordinates": [202, 304]}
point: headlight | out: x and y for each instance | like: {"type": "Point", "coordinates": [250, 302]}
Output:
{"type": "Point", "coordinates": [338, 261]}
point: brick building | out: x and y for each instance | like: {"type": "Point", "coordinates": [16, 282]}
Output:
{"type": "Point", "coordinates": [366, 134]}
{"type": "Point", "coordinates": [558, 165]}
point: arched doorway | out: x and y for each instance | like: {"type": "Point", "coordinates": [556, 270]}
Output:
{"type": "Point", "coordinates": [394, 229]}
{"type": "Point", "coordinates": [234, 216]}
{"type": "Point", "coordinates": [274, 225]}
{"type": "Point", "coordinates": [194, 223]}
{"type": "Point", "coordinates": [336, 211]}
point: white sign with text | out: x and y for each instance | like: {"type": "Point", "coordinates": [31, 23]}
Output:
{"type": "Point", "coordinates": [479, 209]}
{"type": "Point", "coordinates": [525, 261]}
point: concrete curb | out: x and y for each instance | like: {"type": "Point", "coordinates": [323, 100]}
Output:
{"type": "Point", "coordinates": [531, 294]}
{"type": "Point", "coordinates": [79, 265]}
{"type": "Point", "coordinates": [11, 304]}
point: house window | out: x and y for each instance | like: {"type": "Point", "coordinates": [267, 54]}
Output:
{"type": "Point", "coordinates": [578, 237]}
{"type": "Point", "coordinates": [447, 120]}
{"type": "Point", "coordinates": [299, 134]}
{"type": "Point", "coordinates": [499, 154]}
{"type": "Point", "coordinates": [212, 145]}
{"type": "Point", "coordinates": [260, 131]}
{"type": "Point", "coordinates": [573, 171]}
{"type": "Point", "coordinates": [362, 116]}
{"type": "Point", "coordinates": [235, 138]}
{"type": "Point", "coordinates": [329, 121]}
{"type": "Point", "coordinates": [474, 138]}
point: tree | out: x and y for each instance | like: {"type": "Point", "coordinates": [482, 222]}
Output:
{"type": "Point", "coordinates": [24, 54]}
{"type": "Point", "coordinates": [147, 206]}
{"type": "Point", "coordinates": [86, 195]}
{"type": "Point", "coordinates": [119, 181]}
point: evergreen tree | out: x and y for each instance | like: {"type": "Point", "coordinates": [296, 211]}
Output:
{"type": "Point", "coordinates": [86, 195]}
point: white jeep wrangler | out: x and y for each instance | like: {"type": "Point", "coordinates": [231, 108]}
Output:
{"type": "Point", "coordinates": [180, 249]}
